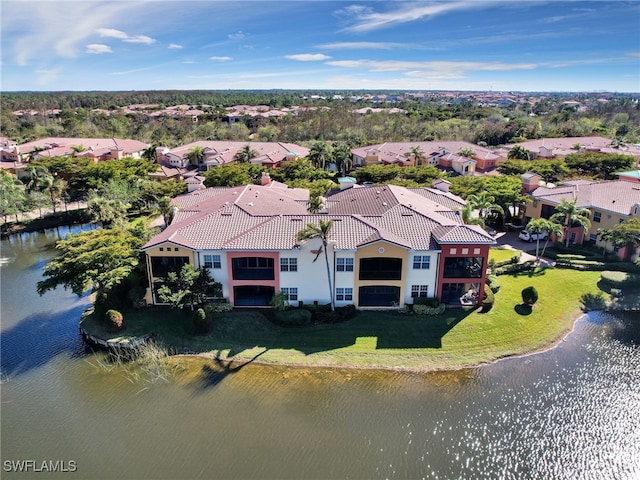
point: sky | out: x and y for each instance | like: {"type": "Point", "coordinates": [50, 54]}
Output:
{"type": "Point", "coordinates": [471, 45]}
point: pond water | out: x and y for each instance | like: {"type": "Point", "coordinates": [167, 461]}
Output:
{"type": "Point", "coordinates": [570, 412]}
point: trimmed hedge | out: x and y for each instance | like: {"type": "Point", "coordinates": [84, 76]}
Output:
{"type": "Point", "coordinates": [493, 282]}
{"type": "Point", "coordinates": [515, 268]}
{"type": "Point", "coordinates": [620, 279]}
{"type": "Point", "coordinates": [422, 309]}
{"type": "Point", "coordinates": [293, 318]}
{"type": "Point", "coordinates": [428, 301]}
{"type": "Point", "coordinates": [512, 260]}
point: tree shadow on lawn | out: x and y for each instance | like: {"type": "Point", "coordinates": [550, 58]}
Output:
{"type": "Point", "coordinates": [241, 331]}
{"type": "Point", "coordinates": [523, 309]}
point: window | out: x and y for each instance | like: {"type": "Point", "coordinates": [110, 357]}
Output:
{"type": "Point", "coordinates": [344, 264]}
{"type": "Point", "coordinates": [421, 262]}
{"type": "Point", "coordinates": [597, 216]}
{"type": "Point", "coordinates": [212, 261]}
{"type": "Point", "coordinates": [344, 294]}
{"type": "Point", "coordinates": [288, 264]}
{"type": "Point", "coordinates": [292, 293]}
{"type": "Point", "coordinates": [419, 290]}
{"type": "Point", "coordinates": [162, 249]}
{"type": "Point", "coordinates": [593, 237]}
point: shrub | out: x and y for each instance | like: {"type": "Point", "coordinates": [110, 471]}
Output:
{"type": "Point", "coordinates": [114, 320]}
{"type": "Point", "coordinates": [202, 323]}
{"type": "Point", "coordinates": [488, 300]}
{"type": "Point", "coordinates": [428, 301]}
{"type": "Point", "coordinates": [620, 279]}
{"type": "Point", "coordinates": [529, 295]}
{"type": "Point", "coordinates": [494, 283]}
{"type": "Point", "coordinates": [293, 318]}
{"type": "Point", "coordinates": [593, 301]}
{"type": "Point", "coordinates": [421, 309]}
{"type": "Point", "coordinates": [514, 259]}
{"type": "Point", "coordinates": [279, 301]}
{"type": "Point", "coordinates": [515, 268]}
{"type": "Point", "coordinates": [217, 307]}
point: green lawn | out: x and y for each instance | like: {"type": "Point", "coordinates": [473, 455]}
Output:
{"type": "Point", "coordinates": [387, 339]}
{"type": "Point", "coordinates": [502, 254]}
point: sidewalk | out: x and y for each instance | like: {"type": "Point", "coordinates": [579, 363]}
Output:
{"type": "Point", "coordinates": [510, 240]}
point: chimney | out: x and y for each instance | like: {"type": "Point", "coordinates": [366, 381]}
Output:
{"type": "Point", "coordinates": [265, 179]}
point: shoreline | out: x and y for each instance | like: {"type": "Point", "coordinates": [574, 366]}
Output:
{"type": "Point", "coordinates": [251, 357]}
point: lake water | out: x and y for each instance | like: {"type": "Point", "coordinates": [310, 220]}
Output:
{"type": "Point", "coordinates": [572, 412]}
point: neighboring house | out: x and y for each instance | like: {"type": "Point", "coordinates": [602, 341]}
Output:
{"type": "Point", "coordinates": [218, 153]}
{"type": "Point", "coordinates": [631, 176]}
{"type": "Point", "coordinates": [443, 154]}
{"type": "Point", "coordinates": [98, 149]}
{"type": "Point", "coordinates": [387, 245]}
{"type": "Point", "coordinates": [548, 148]}
{"type": "Point", "coordinates": [610, 203]}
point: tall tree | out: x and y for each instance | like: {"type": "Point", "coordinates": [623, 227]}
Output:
{"type": "Point", "coordinates": [97, 260]}
{"type": "Point", "coordinates": [467, 152]}
{"type": "Point", "coordinates": [321, 231]}
{"type": "Point", "coordinates": [568, 214]}
{"type": "Point", "coordinates": [625, 234]}
{"type": "Point", "coordinates": [343, 158]}
{"type": "Point", "coordinates": [417, 154]}
{"type": "Point", "coordinates": [12, 198]}
{"type": "Point", "coordinates": [484, 203]}
{"type": "Point", "coordinates": [552, 229]}
{"type": "Point", "coordinates": [188, 286]}
{"type": "Point", "coordinates": [196, 155]}
{"type": "Point", "coordinates": [320, 154]}
{"type": "Point", "coordinates": [245, 154]}
{"type": "Point", "coordinates": [518, 152]}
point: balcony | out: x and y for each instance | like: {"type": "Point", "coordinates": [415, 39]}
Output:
{"type": "Point", "coordinates": [380, 268]}
{"type": "Point", "coordinates": [463, 267]}
{"type": "Point", "coordinates": [252, 268]}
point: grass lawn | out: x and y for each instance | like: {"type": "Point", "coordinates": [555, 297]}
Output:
{"type": "Point", "coordinates": [387, 339]}
{"type": "Point", "coordinates": [502, 254]}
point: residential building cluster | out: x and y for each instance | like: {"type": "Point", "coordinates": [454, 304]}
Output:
{"type": "Point", "coordinates": [387, 245]}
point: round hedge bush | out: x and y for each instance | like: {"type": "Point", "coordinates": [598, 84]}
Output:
{"type": "Point", "coordinates": [114, 320]}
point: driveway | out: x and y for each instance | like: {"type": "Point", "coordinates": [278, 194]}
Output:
{"type": "Point", "coordinates": [511, 240]}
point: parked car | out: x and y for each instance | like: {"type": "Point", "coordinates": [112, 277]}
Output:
{"type": "Point", "coordinates": [532, 237]}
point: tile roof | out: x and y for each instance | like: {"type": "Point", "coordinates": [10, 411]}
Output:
{"type": "Point", "coordinates": [255, 217]}
{"type": "Point", "coordinates": [616, 196]}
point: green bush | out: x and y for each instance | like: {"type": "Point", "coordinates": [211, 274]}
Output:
{"type": "Point", "coordinates": [428, 301]}
{"type": "Point", "coordinates": [422, 309]}
{"type": "Point", "coordinates": [514, 259]}
{"type": "Point", "coordinates": [293, 318]}
{"type": "Point", "coordinates": [529, 295]}
{"type": "Point", "coordinates": [489, 299]}
{"type": "Point", "coordinates": [217, 307]}
{"type": "Point", "coordinates": [593, 301]}
{"type": "Point", "coordinates": [620, 279]}
{"type": "Point", "coordinates": [202, 323]}
{"type": "Point", "coordinates": [515, 268]}
{"type": "Point", "coordinates": [493, 282]}
{"type": "Point", "coordinates": [114, 320]}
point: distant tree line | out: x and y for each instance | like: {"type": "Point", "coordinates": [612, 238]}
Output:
{"type": "Point", "coordinates": [618, 118]}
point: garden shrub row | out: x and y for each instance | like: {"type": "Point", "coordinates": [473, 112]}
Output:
{"type": "Point", "coordinates": [493, 282]}
{"type": "Point", "coordinates": [514, 259]}
{"type": "Point", "coordinates": [595, 265]}
{"type": "Point", "coordinates": [515, 268]}
{"type": "Point", "coordinates": [422, 309]}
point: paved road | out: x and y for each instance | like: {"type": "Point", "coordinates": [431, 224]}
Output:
{"type": "Point", "coordinates": [511, 240]}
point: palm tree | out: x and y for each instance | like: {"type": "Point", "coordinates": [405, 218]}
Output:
{"type": "Point", "coordinates": [542, 225]}
{"type": "Point", "coordinates": [484, 203]}
{"type": "Point", "coordinates": [518, 152]}
{"type": "Point", "coordinates": [315, 205]}
{"type": "Point", "coordinates": [569, 214]}
{"type": "Point", "coordinates": [149, 153]}
{"type": "Point", "coordinates": [342, 157]}
{"type": "Point", "coordinates": [625, 234]}
{"type": "Point", "coordinates": [322, 232]}
{"type": "Point", "coordinates": [40, 179]}
{"type": "Point", "coordinates": [552, 229]}
{"type": "Point", "coordinates": [245, 154]}
{"type": "Point", "coordinates": [417, 153]}
{"type": "Point", "coordinates": [196, 155]}
{"type": "Point", "coordinates": [77, 149]}
{"type": "Point", "coordinates": [467, 152]}
{"type": "Point", "coordinates": [319, 154]}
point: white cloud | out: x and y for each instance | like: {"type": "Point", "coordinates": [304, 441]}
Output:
{"type": "Point", "coordinates": [237, 36]}
{"type": "Point", "coordinates": [98, 48]}
{"type": "Point", "coordinates": [434, 66]}
{"type": "Point", "coordinates": [366, 19]}
{"type": "Point", "coordinates": [174, 46]}
{"type": "Point", "coordinates": [366, 45]}
{"type": "Point", "coordinates": [120, 35]}
{"type": "Point", "coordinates": [308, 57]}
{"type": "Point", "coordinates": [220, 59]}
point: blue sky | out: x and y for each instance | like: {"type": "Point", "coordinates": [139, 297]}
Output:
{"type": "Point", "coordinates": [320, 45]}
